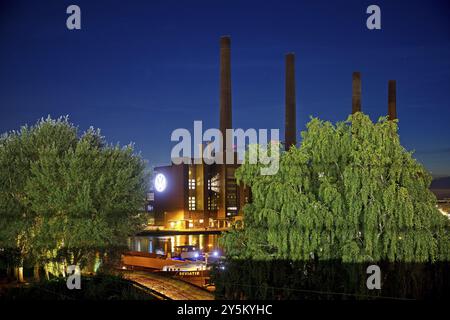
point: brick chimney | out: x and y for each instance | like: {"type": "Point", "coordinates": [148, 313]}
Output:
{"type": "Point", "coordinates": [392, 99]}
{"type": "Point", "coordinates": [356, 92]}
{"type": "Point", "coordinates": [225, 86]}
{"type": "Point", "coordinates": [290, 105]}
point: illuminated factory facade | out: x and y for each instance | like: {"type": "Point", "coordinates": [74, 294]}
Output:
{"type": "Point", "coordinates": [191, 196]}
{"type": "Point", "coordinates": [207, 196]}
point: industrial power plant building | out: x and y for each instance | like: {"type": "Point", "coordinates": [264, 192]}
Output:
{"type": "Point", "coordinates": [207, 196]}
{"type": "Point", "coordinates": [202, 195]}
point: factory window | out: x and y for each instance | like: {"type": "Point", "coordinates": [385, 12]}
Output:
{"type": "Point", "coordinates": [213, 183]}
{"type": "Point", "coordinates": [191, 184]}
{"type": "Point", "coordinates": [212, 203]}
{"type": "Point", "coordinates": [191, 203]}
{"type": "Point", "coordinates": [230, 173]}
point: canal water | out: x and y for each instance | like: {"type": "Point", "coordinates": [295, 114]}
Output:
{"type": "Point", "coordinates": [163, 244]}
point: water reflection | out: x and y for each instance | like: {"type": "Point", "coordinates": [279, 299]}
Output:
{"type": "Point", "coordinates": [166, 244]}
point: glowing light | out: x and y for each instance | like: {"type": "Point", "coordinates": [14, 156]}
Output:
{"type": "Point", "coordinates": [444, 213]}
{"type": "Point", "coordinates": [215, 254]}
{"type": "Point", "coordinates": [160, 182]}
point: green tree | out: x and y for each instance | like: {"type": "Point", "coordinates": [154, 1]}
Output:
{"type": "Point", "coordinates": [64, 196]}
{"type": "Point", "coordinates": [350, 192]}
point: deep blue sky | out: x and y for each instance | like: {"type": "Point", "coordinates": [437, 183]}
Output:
{"type": "Point", "coordinates": [139, 69]}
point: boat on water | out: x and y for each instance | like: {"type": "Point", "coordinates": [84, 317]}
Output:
{"type": "Point", "coordinates": [187, 252]}
{"type": "Point", "coordinates": [187, 266]}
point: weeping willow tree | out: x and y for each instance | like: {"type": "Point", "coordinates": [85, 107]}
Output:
{"type": "Point", "coordinates": [348, 197]}
{"type": "Point", "coordinates": [350, 193]}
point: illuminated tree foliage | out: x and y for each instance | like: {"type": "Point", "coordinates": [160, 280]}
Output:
{"type": "Point", "coordinates": [350, 192]}
{"type": "Point", "coordinates": [65, 196]}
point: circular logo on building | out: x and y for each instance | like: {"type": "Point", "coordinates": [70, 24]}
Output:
{"type": "Point", "coordinates": [160, 182]}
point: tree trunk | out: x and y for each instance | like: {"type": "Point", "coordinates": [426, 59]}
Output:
{"type": "Point", "coordinates": [77, 256]}
{"type": "Point", "coordinates": [36, 275]}
{"type": "Point", "coordinates": [62, 269]}
{"type": "Point", "coordinates": [20, 274]}
{"type": "Point", "coordinates": [16, 273]}
{"type": "Point", "coordinates": [47, 276]}
{"type": "Point", "coordinates": [96, 262]}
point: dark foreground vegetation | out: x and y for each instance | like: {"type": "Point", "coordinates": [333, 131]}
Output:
{"type": "Point", "coordinates": [98, 287]}
{"type": "Point", "coordinates": [330, 280]}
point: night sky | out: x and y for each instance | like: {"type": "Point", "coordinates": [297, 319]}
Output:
{"type": "Point", "coordinates": [140, 69]}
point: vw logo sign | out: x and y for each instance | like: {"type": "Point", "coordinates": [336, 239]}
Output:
{"type": "Point", "coordinates": [160, 182]}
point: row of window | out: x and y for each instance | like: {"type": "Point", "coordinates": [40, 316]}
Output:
{"type": "Point", "coordinates": [212, 203]}
{"type": "Point", "coordinates": [212, 185]}
{"type": "Point", "coordinates": [191, 203]}
{"type": "Point", "coordinates": [191, 184]}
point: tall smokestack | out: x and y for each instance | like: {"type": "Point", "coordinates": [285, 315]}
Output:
{"type": "Point", "coordinates": [392, 97]}
{"type": "Point", "coordinates": [225, 123]}
{"type": "Point", "coordinates": [290, 116]}
{"type": "Point", "coordinates": [356, 92]}
{"type": "Point", "coordinates": [225, 86]}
